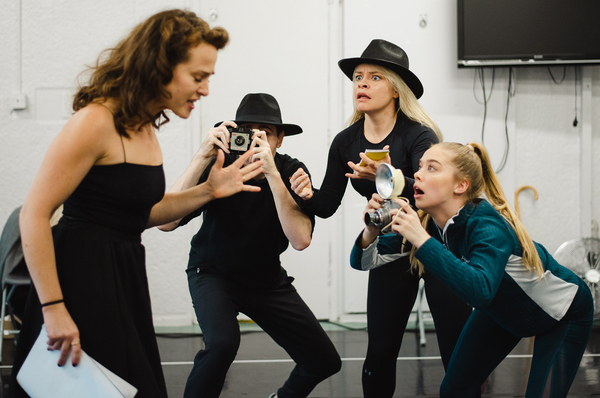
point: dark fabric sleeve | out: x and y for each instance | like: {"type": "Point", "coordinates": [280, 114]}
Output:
{"type": "Point", "coordinates": [327, 199]}
{"type": "Point", "coordinates": [475, 280]}
{"type": "Point", "coordinates": [389, 248]}
{"type": "Point", "coordinates": [287, 166]}
{"type": "Point", "coordinates": [356, 253]}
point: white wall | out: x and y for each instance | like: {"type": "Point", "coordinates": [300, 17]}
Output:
{"type": "Point", "coordinates": [291, 49]}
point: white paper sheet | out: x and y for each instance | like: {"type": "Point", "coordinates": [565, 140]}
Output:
{"type": "Point", "coordinates": [41, 377]}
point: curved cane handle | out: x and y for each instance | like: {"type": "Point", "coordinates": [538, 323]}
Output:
{"type": "Point", "coordinates": [517, 197]}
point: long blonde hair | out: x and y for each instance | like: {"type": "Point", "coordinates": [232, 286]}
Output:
{"type": "Point", "coordinates": [472, 163]}
{"type": "Point", "coordinates": [406, 102]}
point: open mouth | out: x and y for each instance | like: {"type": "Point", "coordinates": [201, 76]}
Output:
{"type": "Point", "coordinates": [362, 95]}
{"type": "Point", "coordinates": [418, 191]}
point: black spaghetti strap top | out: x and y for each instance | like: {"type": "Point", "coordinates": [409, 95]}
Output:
{"type": "Point", "coordinates": [118, 196]}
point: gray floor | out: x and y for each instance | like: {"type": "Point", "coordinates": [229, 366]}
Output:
{"type": "Point", "coordinates": [261, 367]}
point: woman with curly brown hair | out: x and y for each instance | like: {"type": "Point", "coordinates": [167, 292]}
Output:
{"type": "Point", "coordinates": [90, 285]}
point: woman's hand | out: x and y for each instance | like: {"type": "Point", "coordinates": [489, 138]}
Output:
{"type": "Point", "coordinates": [226, 181]}
{"type": "Point", "coordinates": [63, 334]}
{"type": "Point", "coordinates": [217, 138]}
{"type": "Point", "coordinates": [406, 222]}
{"type": "Point", "coordinates": [367, 172]}
{"type": "Point", "coordinates": [374, 203]}
{"type": "Point", "coordinates": [300, 182]}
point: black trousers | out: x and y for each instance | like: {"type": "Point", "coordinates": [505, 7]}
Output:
{"type": "Point", "coordinates": [279, 311]}
{"type": "Point", "coordinates": [391, 296]}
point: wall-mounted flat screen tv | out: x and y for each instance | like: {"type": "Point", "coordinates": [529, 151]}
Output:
{"type": "Point", "coordinates": [528, 32]}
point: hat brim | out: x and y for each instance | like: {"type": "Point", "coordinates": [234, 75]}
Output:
{"type": "Point", "coordinates": [348, 65]}
{"type": "Point", "coordinates": [288, 129]}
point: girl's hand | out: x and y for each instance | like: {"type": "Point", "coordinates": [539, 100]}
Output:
{"type": "Point", "coordinates": [374, 203]}
{"type": "Point", "coordinates": [371, 231]}
{"type": "Point", "coordinates": [367, 171]}
{"type": "Point", "coordinates": [300, 182]}
{"type": "Point", "coordinates": [406, 222]}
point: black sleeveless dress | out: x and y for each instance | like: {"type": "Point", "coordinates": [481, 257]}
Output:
{"type": "Point", "coordinates": [101, 268]}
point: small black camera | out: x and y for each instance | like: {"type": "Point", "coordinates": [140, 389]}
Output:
{"type": "Point", "coordinates": [240, 139]}
{"type": "Point", "coordinates": [381, 217]}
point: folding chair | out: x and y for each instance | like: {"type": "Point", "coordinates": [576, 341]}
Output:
{"type": "Point", "coordinates": [13, 271]}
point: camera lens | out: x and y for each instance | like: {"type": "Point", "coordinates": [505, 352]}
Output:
{"type": "Point", "coordinates": [239, 140]}
{"type": "Point", "coordinates": [373, 218]}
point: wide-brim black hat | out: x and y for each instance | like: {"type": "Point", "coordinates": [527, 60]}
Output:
{"type": "Point", "coordinates": [264, 109]}
{"type": "Point", "coordinates": [386, 54]}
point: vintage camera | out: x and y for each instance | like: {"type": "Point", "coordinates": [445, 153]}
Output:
{"type": "Point", "coordinates": [240, 140]}
{"type": "Point", "coordinates": [381, 217]}
{"type": "Point", "coordinates": [389, 183]}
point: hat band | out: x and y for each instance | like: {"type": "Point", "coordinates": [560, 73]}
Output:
{"type": "Point", "coordinates": [261, 118]}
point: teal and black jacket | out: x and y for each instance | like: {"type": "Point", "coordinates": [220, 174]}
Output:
{"type": "Point", "coordinates": [477, 255]}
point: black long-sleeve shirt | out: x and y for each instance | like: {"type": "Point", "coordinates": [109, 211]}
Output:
{"type": "Point", "coordinates": [241, 237]}
{"type": "Point", "coordinates": [408, 140]}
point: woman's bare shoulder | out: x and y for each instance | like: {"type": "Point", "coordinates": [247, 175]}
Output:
{"type": "Point", "coordinates": [95, 116]}
{"type": "Point", "coordinates": [91, 129]}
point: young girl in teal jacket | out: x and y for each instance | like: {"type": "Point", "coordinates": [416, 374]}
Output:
{"type": "Point", "coordinates": [482, 252]}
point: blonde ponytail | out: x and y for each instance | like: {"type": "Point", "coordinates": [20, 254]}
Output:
{"type": "Point", "coordinates": [495, 195]}
{"type": "Point", "coordinates": [416, 267]}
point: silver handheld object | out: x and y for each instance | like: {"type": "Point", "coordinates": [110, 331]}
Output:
{"type": "Point", "coordinates": [389, 182]}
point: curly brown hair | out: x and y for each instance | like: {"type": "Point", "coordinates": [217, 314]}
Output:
{"type": "Point", "coordinates": [137, 71]}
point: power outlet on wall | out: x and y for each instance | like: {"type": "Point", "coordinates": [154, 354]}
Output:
{"type": "Point", "coordinates": [18, 101]}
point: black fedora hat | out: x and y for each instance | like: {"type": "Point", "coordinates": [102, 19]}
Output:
{"type": "Point", "coordinates": [264, 109]}
{"type": "Point", "coordinates": [386, 54]}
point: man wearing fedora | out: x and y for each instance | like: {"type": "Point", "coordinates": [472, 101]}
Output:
{"type": "Point", "coordinates": [234, 263]}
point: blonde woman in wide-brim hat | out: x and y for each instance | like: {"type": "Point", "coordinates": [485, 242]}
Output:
{"type": "Point", "coordinates": [387, 115]}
